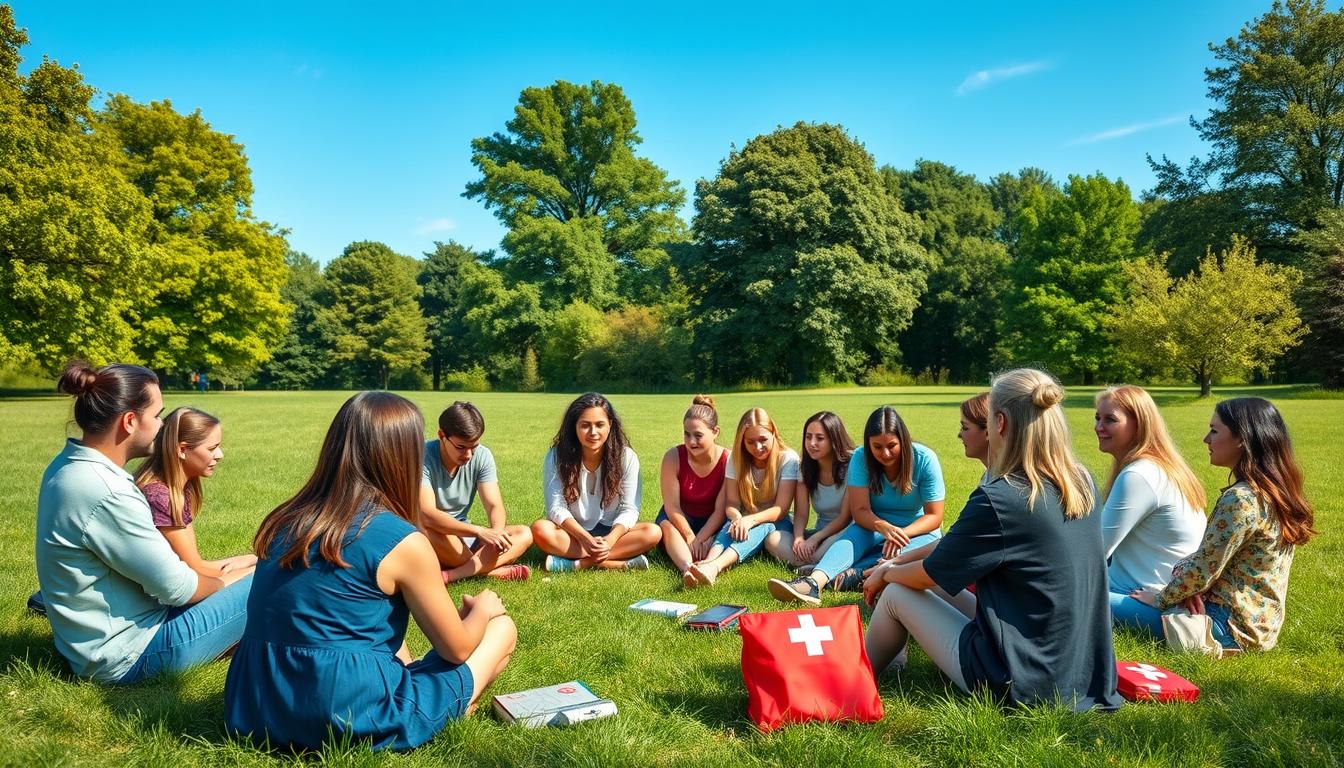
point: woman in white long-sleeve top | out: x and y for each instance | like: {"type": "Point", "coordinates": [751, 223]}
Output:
{"type": "Point", "coordinates": [590, 483]}
{"type": "Point", "coordinates": [1154, 506]}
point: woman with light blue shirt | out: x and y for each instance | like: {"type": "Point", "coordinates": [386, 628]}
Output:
{"type": "Point", "coordinates": [123, 606]}
{"type": "Point", "coordinates": [896, 499]}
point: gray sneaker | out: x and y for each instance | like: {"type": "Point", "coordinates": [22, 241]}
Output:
{"type": "Point", "coordinates": [802, 589]}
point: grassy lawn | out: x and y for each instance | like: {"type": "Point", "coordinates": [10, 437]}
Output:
{"type": "Point", "coordinates": [680, 695]}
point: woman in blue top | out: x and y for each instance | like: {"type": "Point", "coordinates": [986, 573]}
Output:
{"type": "Point", "coordinates": [342, 567]}
{"type": "Point", "coordinates": [895, 496]}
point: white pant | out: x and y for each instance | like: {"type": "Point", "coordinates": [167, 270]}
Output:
{"type": "Point", "coordinates": [934, 618]}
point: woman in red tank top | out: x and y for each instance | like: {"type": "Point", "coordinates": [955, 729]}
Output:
{"type": "Point", "coordinates": [693, 489]}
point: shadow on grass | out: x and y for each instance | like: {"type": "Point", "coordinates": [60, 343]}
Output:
{"type": "Point", "coordinates": [721, 702]}
{"type": "Point", "coordinates": [167, 702]}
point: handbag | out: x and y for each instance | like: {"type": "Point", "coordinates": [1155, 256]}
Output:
{"type": "Point", "coordinates": [1190, 632]}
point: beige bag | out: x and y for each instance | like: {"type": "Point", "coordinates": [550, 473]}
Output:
{"type": "Point", "coordinates": [1190, 632]}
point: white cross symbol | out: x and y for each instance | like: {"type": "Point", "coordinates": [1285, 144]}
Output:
{"type": "Point", "coordinates": [809, 634]}
{"type": "Point", "coordinates": [1148, 671]}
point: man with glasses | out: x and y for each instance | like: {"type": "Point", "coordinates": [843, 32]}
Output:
{"type": "Point", "coordinates": [456, 469]}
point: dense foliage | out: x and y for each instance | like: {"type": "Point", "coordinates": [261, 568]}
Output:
{"type": "Point", "coordinates": [126, 233]}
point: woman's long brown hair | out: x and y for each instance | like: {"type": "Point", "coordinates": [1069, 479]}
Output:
{"type": "Point", "coordinates": [569, 453]}
{"type": "Point", "coordinates": [1268, 465]}
{"type": "Point", "coordinates": [370, 459]}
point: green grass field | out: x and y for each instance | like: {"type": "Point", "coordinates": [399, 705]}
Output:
{"type": "Point", "coordinates": [680, 695]}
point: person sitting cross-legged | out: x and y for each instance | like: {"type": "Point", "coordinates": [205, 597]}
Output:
{"type": "Point", "coordinates": [456, 469]}
{"type": "Point", "coordinates": [590, 482]}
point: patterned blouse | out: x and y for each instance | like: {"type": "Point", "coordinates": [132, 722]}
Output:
{"type": "Point", "coordinates": [1241, 565]}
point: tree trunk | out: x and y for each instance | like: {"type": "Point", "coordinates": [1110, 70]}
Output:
{"type": "Point", "coordinates": [437, 363]}
{"type": "Point", "coordinates": [385, 374]}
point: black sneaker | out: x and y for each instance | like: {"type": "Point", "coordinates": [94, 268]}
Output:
{"type": "Point", "coordinates": [848, 580]}
{"type": "Point", "coordinates": [802, 589]}
{"type": "Point", "coordinates": [36, 604]}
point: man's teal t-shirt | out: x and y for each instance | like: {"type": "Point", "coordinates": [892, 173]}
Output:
{"type": "Point", "coordinates": [926, 484]}
{"type": "Point", "coordinates": [453, 493]}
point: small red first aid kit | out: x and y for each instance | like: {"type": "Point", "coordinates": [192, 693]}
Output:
{"type": "Point", "coordinates": [1138, 681]}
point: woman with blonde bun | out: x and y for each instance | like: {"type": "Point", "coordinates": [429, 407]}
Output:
{"type": "Point", "coordinates": [1029, 541]}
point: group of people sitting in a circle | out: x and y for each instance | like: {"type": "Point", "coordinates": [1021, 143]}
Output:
{"type": "Point", "coordinates": [1017, 596]}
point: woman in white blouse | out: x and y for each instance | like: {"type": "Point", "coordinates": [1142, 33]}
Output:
{"type": "Point", "coordinates": [590, 483]}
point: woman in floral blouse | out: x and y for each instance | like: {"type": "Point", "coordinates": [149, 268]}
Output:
{"type": "Point", "coordinates": [1239, 574]}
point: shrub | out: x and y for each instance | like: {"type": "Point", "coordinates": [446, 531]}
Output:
{"type": "Point", "coordinates": [472, 379]}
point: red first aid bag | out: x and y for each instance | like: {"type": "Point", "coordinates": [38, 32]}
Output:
{"type": "Point", "coordinates": [802, 666]}
{"type": "Point", "coordinates": [1137, 681]}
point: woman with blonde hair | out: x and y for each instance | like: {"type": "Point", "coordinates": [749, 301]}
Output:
{"type": "Point", "coordinates": [1029, 542]}
{"type": "Point", "coordinates": [188, 447]}
{"type": "Point", "coordinates": [1152, 517]}
{"type": "Point", "coordinates": [760, 480]}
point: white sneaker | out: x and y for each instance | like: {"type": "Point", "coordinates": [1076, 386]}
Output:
{"type": "Point", "coordinates": [637, 563]}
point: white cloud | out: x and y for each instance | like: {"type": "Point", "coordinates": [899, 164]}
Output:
{"type": "Point", "coordinates": [986, 77]}
{"type": "Point", "coordinates": [1128, 130]}
{"type": "Point", "coordinates": [442, 224]}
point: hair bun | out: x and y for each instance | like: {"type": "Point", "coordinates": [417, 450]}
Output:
{"type": "Point", "coordinates": [77, 378]}
{"type": "Point", "coordinates": [705, 400]}
{"type": "Point", "coordinates": [1046, 394]}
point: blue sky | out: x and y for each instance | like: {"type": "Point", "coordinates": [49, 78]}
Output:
{"type": "Point", "coordinates": [357, 117]}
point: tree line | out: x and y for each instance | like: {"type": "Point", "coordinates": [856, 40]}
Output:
{"type": "Point", "coordinates": [127, 233]}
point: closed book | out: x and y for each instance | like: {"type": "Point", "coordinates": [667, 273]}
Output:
{"type": "Point", "coordinates": [563, 704]}
{"type": "Point", "coordinates": [663, 608]}
{"type": "Point", "coordinates": [1138, 681]}
{"type": "Point", "coordinates": [717, 617]}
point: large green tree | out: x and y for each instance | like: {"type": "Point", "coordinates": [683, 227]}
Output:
{"type": "Point", "coordinates": [440, 279]}
{"type": "Point", "coordinates": [1321, 298]}
{"type": "Point", "coordinates": [1068, 276]}
{"type": "Point", "coordinates": [1230, 317]}
{"type": "Point", "coordinates": [806, 266]}
{"type": "Point", "coordinates": [303, 360]}
{"type": "Point", "coordinates": [215, 271]}
{"type": "Point", "coordinates": [955, 328]}
{"type": "Point", "coordinates": [72, 229]}
{"type": "Point", "coordinates": [582, 208]}
{"type": "Point", "coordinates": [502, 321]}
{"type": "Point", "coordinates": [373, 319]}
{"type": "Point", "coordinates": [1276, 131]}
{"type": "Point", "coordinates": [1008, 194]}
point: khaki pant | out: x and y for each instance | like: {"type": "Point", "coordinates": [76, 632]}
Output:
{"type": "Point", "coordinates": [933, 617]}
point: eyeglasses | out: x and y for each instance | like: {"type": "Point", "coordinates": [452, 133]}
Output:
{"type": "Point", "coordinates": [459, 446]}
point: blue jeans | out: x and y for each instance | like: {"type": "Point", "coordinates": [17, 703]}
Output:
{"type": "Point", "coordinates": [195, 634]}
{"type": "Point", "coordinates": [1222, 631]}
{"type": "Point", "coordinates": [755, 538]}
{"type": "Point", "coordinates": [859, 548]}
{"type": "Point", "coordinates": [1129, 612]}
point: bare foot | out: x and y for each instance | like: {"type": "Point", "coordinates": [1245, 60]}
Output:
{"type": "Point", "coordinates": [700, 577]}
